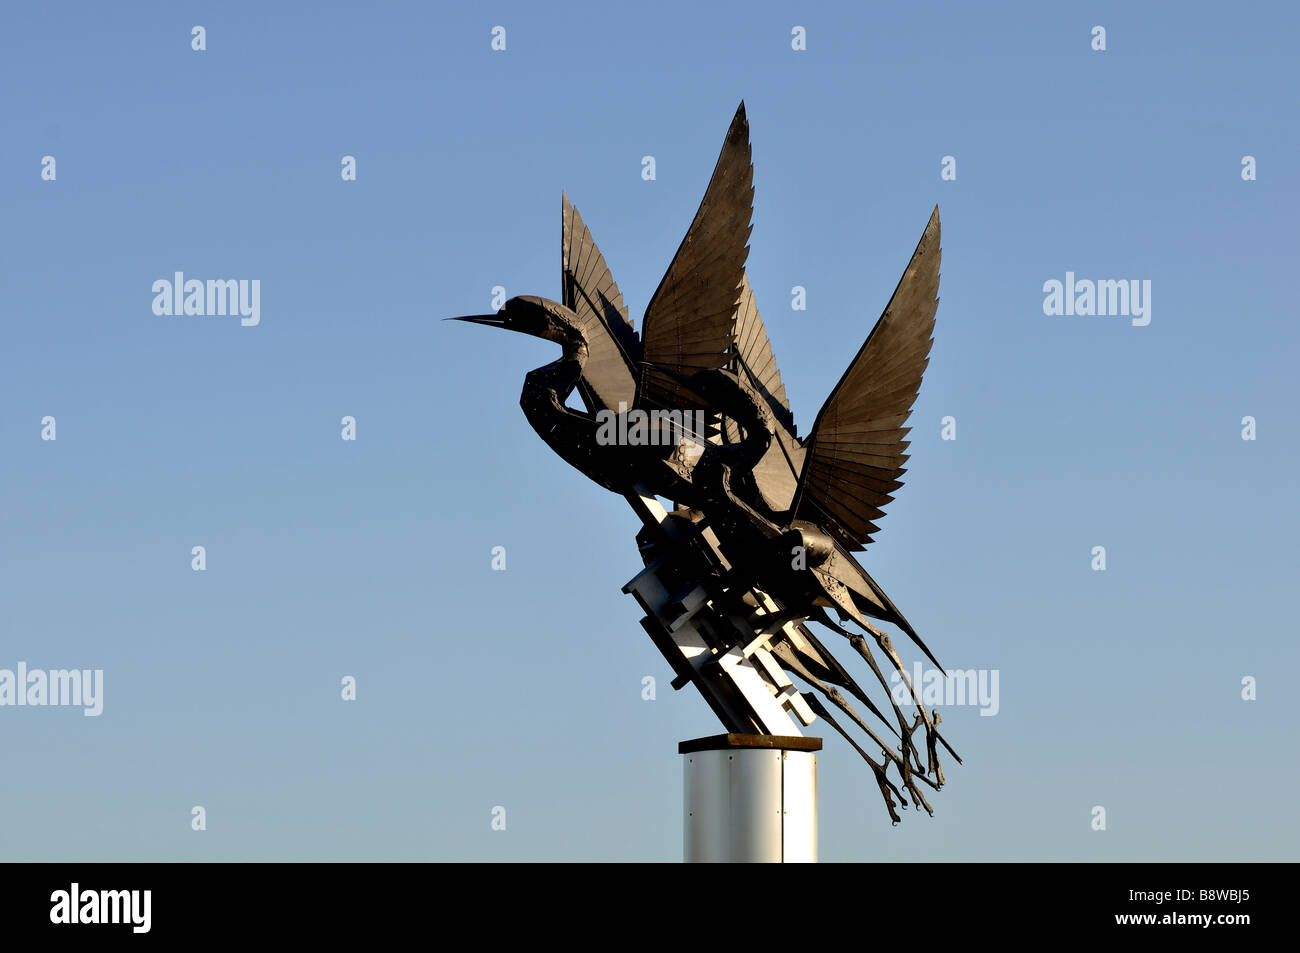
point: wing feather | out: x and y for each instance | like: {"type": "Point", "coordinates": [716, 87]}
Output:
{"type": "Point", "coordinates": [857, 446]}
{"type": "Point", "coordinates": [689, 324]}
{"type": "Point", "coordinates": [592, 294]}
{"type": "Point", "coordinates": [753, 357]}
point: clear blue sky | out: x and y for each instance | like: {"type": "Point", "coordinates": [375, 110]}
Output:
{"type": "Point", "coordinates": [523, 688]}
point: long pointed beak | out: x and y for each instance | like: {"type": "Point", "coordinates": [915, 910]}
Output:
{"type": "Point", "coordinates": [491, 320]}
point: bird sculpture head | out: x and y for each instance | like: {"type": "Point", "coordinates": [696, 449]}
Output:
{"type": "Point", "coordinates": [535, 316]}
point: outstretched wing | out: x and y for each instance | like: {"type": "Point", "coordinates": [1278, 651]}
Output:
{"type": "Point", "coordinates": [592, 294]}
{"type": "Point", "coordinates": [689, 323]}
{"type": "Point", "coordinates": [776, 475]}
{"type": "Point", "coordinates": [752, 357]}
{"type": "Point", "coordinates": [856, 449]}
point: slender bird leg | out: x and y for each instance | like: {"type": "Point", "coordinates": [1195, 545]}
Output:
{"type": "Point", "coordinates": [909, 755]}
{"type": "Point", "coordinates": [887, 789]}
{"type": "Point", "coordinates": [792, 662]}
{"type": "Point", "coordinates": [887, 646]}
{"type": "Point", "coordinates": [860, 646]}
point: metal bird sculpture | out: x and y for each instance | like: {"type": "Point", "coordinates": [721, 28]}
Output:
{"type": "Point", "coordinates": [765, 524]}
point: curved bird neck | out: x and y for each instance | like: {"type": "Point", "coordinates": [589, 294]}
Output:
{"type": "Point", "coordinates": [562, 375]}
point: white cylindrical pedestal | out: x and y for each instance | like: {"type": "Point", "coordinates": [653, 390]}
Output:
{"type": "Point", "coordinates": [750, 799]}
